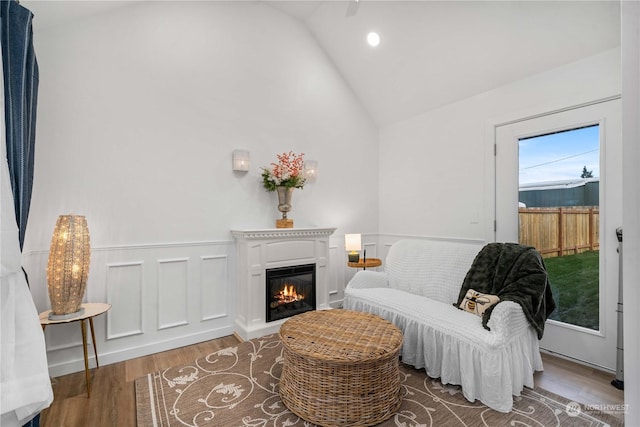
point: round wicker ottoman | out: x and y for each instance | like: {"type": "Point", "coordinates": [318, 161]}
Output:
{"type": "Point", "coordinates": [341, 367]}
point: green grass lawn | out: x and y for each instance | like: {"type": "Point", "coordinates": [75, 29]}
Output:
{"type": "Point", "coordinates": [574, 282]}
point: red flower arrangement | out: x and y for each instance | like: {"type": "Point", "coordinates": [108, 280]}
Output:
{"type": "Point", "coordinates": [288, 172]}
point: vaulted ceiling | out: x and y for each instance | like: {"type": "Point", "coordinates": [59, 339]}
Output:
{"type": "Point", "coordinates": [432, 53]}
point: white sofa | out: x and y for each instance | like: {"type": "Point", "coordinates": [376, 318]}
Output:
{"type": "Point", "coordinates": [417, 291]}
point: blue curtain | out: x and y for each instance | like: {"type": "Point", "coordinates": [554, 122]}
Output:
{"type": "Point", "coordinates": [35, 422]}
{"type": "Point", "coordinates": [20, 70]}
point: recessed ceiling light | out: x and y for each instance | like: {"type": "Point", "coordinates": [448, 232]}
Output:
{"type": "Point", "coordinates": [373, 39]}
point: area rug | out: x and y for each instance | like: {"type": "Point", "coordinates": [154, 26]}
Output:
{"type": "Point", "coordinates": [238, 387]}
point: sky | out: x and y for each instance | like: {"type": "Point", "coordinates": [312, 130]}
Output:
{"type": "Point", "coordinates": [560, 155]}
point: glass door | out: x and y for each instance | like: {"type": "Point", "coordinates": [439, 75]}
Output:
{"type": "Point", "coordinates": [558, 188]}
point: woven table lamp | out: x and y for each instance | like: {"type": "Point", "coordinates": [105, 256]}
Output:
{"type": "Point", "coordinates": [68, 266]}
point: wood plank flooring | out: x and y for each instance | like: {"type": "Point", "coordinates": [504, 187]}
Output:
{"type": "Point", "coordinates": [583, 384]}
{"type": "Point", "coordinates": [112, 402]}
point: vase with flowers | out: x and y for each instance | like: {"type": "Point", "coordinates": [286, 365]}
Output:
{"type": "Point", "coordinates": [283, 177]}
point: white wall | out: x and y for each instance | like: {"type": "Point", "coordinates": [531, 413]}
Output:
{"type": "Point", "coordinates": [630, 13]}
{"type": "Point", "coordinates": [140, 108]}
{"type": "Point", "coordinates": [436, 169]}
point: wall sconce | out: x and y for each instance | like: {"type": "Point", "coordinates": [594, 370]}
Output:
{"type": "Point", "coordinates": [240, 160]}
{"type": "Point", "coordinates": [68, 266]}
{"type": "Point", "coordinates": [353, 243]}
{"type": "Point", "coordinates": [311, 169]}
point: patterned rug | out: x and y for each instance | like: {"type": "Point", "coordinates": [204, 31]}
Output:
{"type": "Point", "coordinates": [238, 386]}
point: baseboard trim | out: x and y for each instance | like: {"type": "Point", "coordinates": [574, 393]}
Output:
{"type": "Point", "coordinates": [576, 360]}
{"type": "Point", "coordinates": [77, 365]}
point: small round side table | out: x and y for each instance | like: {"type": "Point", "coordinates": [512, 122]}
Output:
{"type": "Point", "coordinates": [91, 310]}
{"type": "Point", "coordinates": [363, 264]}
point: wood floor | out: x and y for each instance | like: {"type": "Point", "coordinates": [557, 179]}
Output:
{"type": "Point", "coordinates": [112, 401]}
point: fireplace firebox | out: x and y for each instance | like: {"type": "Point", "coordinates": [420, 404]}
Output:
{"type": "Point", "coordinates": [290, 291]}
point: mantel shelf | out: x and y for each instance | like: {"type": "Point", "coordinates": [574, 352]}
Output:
{"type": "Point", "coordinates": [281, 233]}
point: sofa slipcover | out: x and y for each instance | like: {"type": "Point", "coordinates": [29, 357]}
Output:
{"type": "Point", "coordinates": [417, 290]}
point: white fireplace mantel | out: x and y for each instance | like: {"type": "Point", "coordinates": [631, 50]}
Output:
{"type": "Point", "coordinates": [281, 233]}
{"type": "Point", "coordinates": [262, 249]}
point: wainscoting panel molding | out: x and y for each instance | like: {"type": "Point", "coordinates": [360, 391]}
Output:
{"type": "Point", "coordinates": [124, 283]}
{"type": "Point", "coordinates": [335, 283]}
{"type": "Point", "coordinates": [162, 296]}
{"type": "Point", "coordinates": [371, 248]}
{"type": "Point", "coordinates": [214, 292]}
{"type": "Point", "coordinates": [173, 282]}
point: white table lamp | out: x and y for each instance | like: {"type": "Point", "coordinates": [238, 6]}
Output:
{"type": "Point", "coordinates": [353, 244]}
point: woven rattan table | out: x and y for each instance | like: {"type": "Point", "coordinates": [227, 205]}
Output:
{"type": "Point", "coordinates": [341, 367]}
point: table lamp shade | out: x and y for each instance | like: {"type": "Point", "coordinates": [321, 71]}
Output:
{"type": "Point", "coordinates": [353, 243]}
{"type": "Point", "coordinates": [68, 266]}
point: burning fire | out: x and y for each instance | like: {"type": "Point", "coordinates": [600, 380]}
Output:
{"type": "Point", "coordinates": [287, 295]}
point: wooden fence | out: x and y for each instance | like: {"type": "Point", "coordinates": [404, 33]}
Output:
{"type": "Point", "coordinates": [560, 231]}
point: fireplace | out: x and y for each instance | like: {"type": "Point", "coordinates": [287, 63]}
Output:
{"type": "Point", "coordinates": [290, 291]}
{"type": "Point", "coordinates": [261, 250]}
